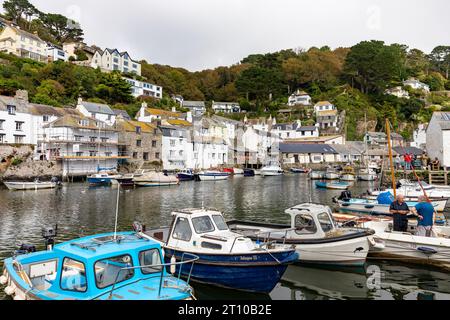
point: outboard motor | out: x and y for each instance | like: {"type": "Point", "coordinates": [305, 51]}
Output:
{"type": "Point", "coordinates": [345, 196]}
{"type": "Point", "coordinates": [49, 234]}
{"type": "Point", "coordinates": [398, 185]}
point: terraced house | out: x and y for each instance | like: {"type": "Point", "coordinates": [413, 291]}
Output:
{"type": "Point", "coordinates": [140, 141]}
{"type": "Point", "coordinates": [113, 59]}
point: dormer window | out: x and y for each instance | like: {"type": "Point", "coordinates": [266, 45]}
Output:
{"type": "Point", "coordinates": [45, 118]}
{"type": "Point", "coordinates": [138, 130]}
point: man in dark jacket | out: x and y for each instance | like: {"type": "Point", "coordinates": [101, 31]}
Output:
{"type": "Point", "coordinates": [400, 211]}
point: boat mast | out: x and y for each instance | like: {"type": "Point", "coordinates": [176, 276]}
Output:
{"type": "Point", "coordinates": [367, 145]}
{"type": "Point", "coordinates": [117, 211]}
{"type": "Point", "coordinates": [391, 160]}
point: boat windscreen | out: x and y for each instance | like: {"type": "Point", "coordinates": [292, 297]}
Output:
{"type": "Point", "coordinates": [220, 222]}
{"type": "Point", "coordinates": [203, 224]}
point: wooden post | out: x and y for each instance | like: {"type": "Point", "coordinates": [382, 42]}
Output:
{"type": "Point", "coordinates": [446, 176]}
{"type": "Point", "coordinates": [391, 160]}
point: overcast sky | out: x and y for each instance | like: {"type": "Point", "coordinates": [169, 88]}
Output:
{"type": "Point", "coordinates": [199, 34]}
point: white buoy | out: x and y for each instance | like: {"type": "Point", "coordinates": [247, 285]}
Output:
{"type": "Point", "coordinates": [3, 280]}
{"type": "Point", "coordinates": [173, 260]}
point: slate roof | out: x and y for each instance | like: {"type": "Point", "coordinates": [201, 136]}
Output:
{"type": "Point", "coordinates": [193, 104]}
{"type": "Point", "coordinates": [123, 113]}
{"type": "Point", "coordinates": [93, 107]}
{"type": "Point", "coordinates": [307, 148]}
{"type": "Point", "coordinates": [443, 119]}
{"type": "Point", "coordinates": [404, 150]}
{"type": "Point", "coordinates": [307, 128]}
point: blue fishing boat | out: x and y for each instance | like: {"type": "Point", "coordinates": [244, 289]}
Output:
{"type": "Point", "coordinates": [332, 185]}
{"type": "Point", "coordinates": [213, 175]}
{"type": "Point", "coordinates": [249, 173]}
{"type": "Point", "coordinates": [102, 178]}
{"type": "Point", "coordinates": [186, 175]}
{"type": "Point", "coordinates": [110, 266]}
{"type": "Point", "coordinates": [226, 259]}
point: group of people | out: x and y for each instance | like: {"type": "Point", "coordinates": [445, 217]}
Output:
{"type": "Point", "coordinates": [424, 211]}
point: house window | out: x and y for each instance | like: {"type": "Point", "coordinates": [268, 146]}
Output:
{"type": "Point", "coordinates": [108, 154]}
{"type": "Point", "coordinates": [125, 63]}
{"type": "Point", "coordinates": [138, 143]}
{"type": "Point", "coordinates": [92, 153]}
{"type": "Point", "coordinates": [115, 67]}
{"type": "Point", "coordinates": [78, 138]}
{"type": "Point", "coordinates": [19, 126]}
{"type": "Point", "coordinates": [157, 155]}
{"type": "Point", "coordinates": [116, 60]}
{"type": "Point", "coordinates": [172, 143]}
{"type": "Point", "coordinates": [145, 156]}
{"type": "Point", "coordinates": [79, 154]}
{"type": "Point", "coordinates": [92, 139]}
{"type": "Point", "coordinates": [135, 155]}
{"type": "Point", "coordinates": [11, 110]}
{"type": "Point", "coordinates": [138, 130]}
{"type": "Point", "coordinates": [18, 139]}
{"type": "Point", "coordinates": [1, 124]}
{"type": "Point", "coordinates": [134, 66]}
{"type": "Point", "coordinates": [154, 143]}
{"type": "Point", "coordinates": [2, 138]}
{"type": "Point", "coordinates": [45, 118]}
{"type": "Point", "coordinates": [105, 140]}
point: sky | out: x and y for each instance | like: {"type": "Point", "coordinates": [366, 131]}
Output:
{"type": "Point", "coordinates": [201, 34]}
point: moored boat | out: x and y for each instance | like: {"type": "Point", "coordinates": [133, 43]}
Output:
{"type": "Point", "coordinates": [315, 235]}
{"type": "Point", "coordinates": [272, 170]}
{"type": "Point", "coordinates": [332, 185]}
{"type": "Point", "coordinates": [300, 170]}
{"type": "Point", "coordinates": [367, 175]}
{"type": "Point", "coordinates": [316, 175]}
{"type": "Point", "coordinates": [111, 266]}
{"type": "Point", "coordinates": [186, 175]}
{"type": "Point", "coordinates": [213, 175]}
{"type": "Point", "coordinates": [226, 259]}
{"type": "Point", "coordinates": [348, 174]}
{"type": "Point", "coordinates": [249, 173]}
{"type": "Point", "coordinates": [238, 171]}
{"type": "Point", "coordinates": [102, 178]}
{"type": "Point", "coordinates": [155, 179]}
{"type": "Point", "coordinates": [331, 174]}
{"type": "Point", "coordinates": [35, 185]}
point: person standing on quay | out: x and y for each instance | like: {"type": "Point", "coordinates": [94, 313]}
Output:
{"type": "Point", "coordinates": [425, 212]}
{"type": "Point", "coordinates": [400, 211]}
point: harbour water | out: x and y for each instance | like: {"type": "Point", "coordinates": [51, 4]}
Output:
{"type": "Point", "coordinates": [82, 210]}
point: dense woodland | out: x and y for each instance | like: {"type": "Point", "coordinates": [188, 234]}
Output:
{"type": "Point", "coordinates": [354, 79]}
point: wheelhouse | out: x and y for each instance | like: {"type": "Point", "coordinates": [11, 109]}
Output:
{"type": "Point", "coordinates": [122, 267]}
{"type": "Point", "coordinates": [311, 221]}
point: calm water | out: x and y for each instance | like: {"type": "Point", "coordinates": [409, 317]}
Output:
{"type": "Point", "coordinates": [80, 210]}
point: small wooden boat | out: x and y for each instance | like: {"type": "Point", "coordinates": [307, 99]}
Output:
{"type": "Point", "coordinates": [213, 175]}
{"type": "Point", "coordinates": [112, 266]}
{"type": "Point", "coordinates": [226, 259]}
{"type": "Point", "coordinates": [155, 179]}
{"type": "Point", "coordinates": [186, 175]}
{"type": "Point", "coordinates": [315, 235]}
{"type": "Point", "coordinates": [35, 185]}
{"type": "Point", "coordinates": [300, 170]}
{"type": "Point", "coordinates": [332, 185]}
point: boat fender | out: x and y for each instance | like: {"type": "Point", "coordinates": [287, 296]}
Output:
{"type": "Point", "coordinates": [3, 280]}
{"type": "Point", "coordinates": [173, 260]}
{"type": "Point", "coordinates": [9, 290]}
{"type": "Point", "coordinates": [427, 250]}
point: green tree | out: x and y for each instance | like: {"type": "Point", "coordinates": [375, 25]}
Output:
{"type": "Point", "coordinates": [440, 58]}
{"type": "Point", "coordinates": [61, 28]}
{"type": "Point", "coordinates": [16, 10]}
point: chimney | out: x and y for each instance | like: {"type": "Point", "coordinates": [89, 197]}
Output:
{"type": "Point", "coordinates": [142, 110]}
{"type": "Point", "coordinates": [189, 117]}
{"type": "Point", "coordinates": [80, 100]}
{"type": "Point", "coordinates": [22, 95]}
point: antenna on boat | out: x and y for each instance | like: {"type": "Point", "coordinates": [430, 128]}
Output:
{"type": "Point", "coordinates": [117, 211]}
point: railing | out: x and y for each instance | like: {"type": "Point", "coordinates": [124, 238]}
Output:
{"type": "Point", "coordinates": [163, 265]}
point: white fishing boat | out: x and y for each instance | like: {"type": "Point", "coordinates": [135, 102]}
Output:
{"type": "Point", "coordinates": [257, 172]}
{"type": "Point", "coordinates": [409, 247]}
{"type": "Point", "coordinates": [367, 175]}
{"type": "Point", "coordinates": [213, 175]}
{"type": "Point", "coordinates": [315, 235]}
{"type": "Point", "coordinates": [35, 185]}
{"type": "Point", "coordinates": [412, 194]}
{"type": "Point", "coordinates": [331, 174]}
{"type": "Point", "coordinates": [272, 169]}
{"type": "Point", "coordinates": [415, 185]}
{"type": "Point", "coordinates": [155, 179]}
{"type": "Point", "coordinates": [238, 171]}
{"type": "Point", "coordinates": [316, 175]}
{"type": "Point", "coordinates": [348, 174]}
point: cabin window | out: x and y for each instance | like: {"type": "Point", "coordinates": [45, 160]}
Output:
{"type": "Point", "coordinates": [108, 270]}
{"type": "Point", "coordinates": [73, 276]}
{"type": "Point", "coordinates": [203, 224]}
{"type": "Point", "coordinates": [182, 230]}
{"type": "Point", "coordinates": [304, 224]}
{"type": "Point", "coordinates": [210, 245]}
{"type": "Point", "coordinates": [150, 258]}
{"type": "Point", "coordinates": [220, 222]}
{"type": "Point", "coordinates": [325, 222]}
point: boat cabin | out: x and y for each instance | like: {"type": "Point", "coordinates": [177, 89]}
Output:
{"type": "Point", "coordinates": [201, 230]}
{"type": "Point", "coordinates": [96, 267]}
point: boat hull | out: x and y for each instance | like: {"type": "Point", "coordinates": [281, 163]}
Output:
{"type": "Point", "coordinates": [30, 185]}
{"type": "Point", "coordinates": [99, 181]}
{"type": "Point", "coordinates": [249, 173]}
{"type": "Point", "coordinates": [213, 177]}
{"type": "Point", "coordinates": [378, 209]}
{"type": "Point", "coordinates": [185, 177]}
{"type": "Point", "coordinates": [348, 177]}
{"type": "Point", "coordinates": [332, 186]}
{"type": "Point", "coordinates": [271, 173]}
{"type": "Point", "coordinates": [331, 176]}
{"type": "Point", "coordinates": [367, 177]}
{"type": "Point", "coordinates": [316, 175]}
{"type": "Point", "coordinates": [256, 272]}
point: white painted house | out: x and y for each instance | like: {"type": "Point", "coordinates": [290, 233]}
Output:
{"type": "Point", "coordinates": [226, 107]}
{"type": "Point", "coordinates": [416, 84]}
{"type": "Point", "coordinates": [23, 44]}
{"type": "Point", "coordinates": [420, 137]}
{"type": "Point", "coordinates": [148, 115]}
{"type": "Point", "coordinates": [438, 138]}
{"type": "Point", "coordinates": [299, 153]}
{"type": "Point", "coordinates": [113, 59]}
{"type": "Point", "coordinates": [299, 98]}
{"type": "Point", "coordinates": [146, 89]}
{"type": "Point", "coordinates": [398, 92]}
{"type": "Point", "coordinates": [198, 108]}
{"type": "Point", "coordinates": [97, 111]}
{"type": "Point", "coordinates": [56, 53]}
{"type": "Point", "coordinates": [175, 146]}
